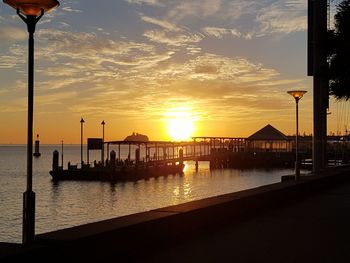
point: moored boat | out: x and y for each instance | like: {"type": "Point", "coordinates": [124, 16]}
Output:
{"type": "Point", "coordinates": [115, 173]}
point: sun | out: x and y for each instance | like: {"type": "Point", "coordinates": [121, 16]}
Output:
{"type": "Point", "coordinates": [180, 129]}
{"type": "Point", "coordinates": [180, 124]}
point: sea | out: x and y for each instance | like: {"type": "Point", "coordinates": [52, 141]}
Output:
{"type": "Point", "coordinates": [65, 204]}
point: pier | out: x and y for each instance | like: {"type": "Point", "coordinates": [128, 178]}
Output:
{"type": "Point", "coordinates": [157, 158]}
{"type": "Point", "coordinates": [133, 160]}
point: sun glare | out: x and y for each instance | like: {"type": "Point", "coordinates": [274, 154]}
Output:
{"type": "Point", "coordinates": [180, 124]}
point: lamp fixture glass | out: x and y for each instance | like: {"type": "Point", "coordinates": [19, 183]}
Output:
{"type": "Point", "coordinates": [297, 94]}
{"type": "Point", "coordinates": [32, 7]}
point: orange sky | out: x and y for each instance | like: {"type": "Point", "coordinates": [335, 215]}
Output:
{"type": "Point", "coordinates": [147, 65]}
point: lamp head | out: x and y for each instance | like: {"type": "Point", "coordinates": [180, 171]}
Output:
{"type": "Point", "coordinates": [103, 122]}
{"type": "Point", "coordinates": [297, 94]}
{"type": "Point", "coordinates": [82, 120]}
{"type": "Point", "coordinates": [32, 7]}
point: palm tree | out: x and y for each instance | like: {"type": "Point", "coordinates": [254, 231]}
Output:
{"type": "Point", "coordinates": [339, 53]}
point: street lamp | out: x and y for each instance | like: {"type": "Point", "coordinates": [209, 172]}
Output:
{"type": "Point", "coordinates": [297, 94]}
{"type": "Point", "coordinates": [103, 140]}
{"type": "Point", "coordinates": [81, 141]}
{"type": "Point", "coordinates": [30, 11]}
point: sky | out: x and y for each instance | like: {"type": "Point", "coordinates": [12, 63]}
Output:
{"type": "Point", "coordinates": [160, 68]}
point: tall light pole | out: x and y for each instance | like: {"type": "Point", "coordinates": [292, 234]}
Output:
{"type": "Point", "coordinates": [297, 94]}
{"type": "Point", "coordinates": [30, 11]}
{"type": "Point", "coordinates": [81, 142]}
{"type": "Point", "coordinates": [103, 142]}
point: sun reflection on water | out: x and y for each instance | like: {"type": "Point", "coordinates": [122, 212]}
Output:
{"type": "Point", "coordinates": [183, 191]}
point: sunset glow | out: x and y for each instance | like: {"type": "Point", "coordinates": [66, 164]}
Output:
{"type": "Point", "coordinates": [133, 62]}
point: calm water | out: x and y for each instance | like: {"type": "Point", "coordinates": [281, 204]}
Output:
{"type": "Point", "coordinates": [65, 204]}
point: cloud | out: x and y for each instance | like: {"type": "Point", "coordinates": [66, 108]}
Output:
{"type": "Point", "coordinates": [96, 50]}
{"type": "Point", "coordinates": [7, 62]}
{"type": "Point", "coordinates": [171, 38]}
{"type": "Point", "coordinates": [162, 23]}
{"type": "Point", "coordinates": [244, 19]}
{"type": "Point", "coordinates": [219, 68]}
{"type": "Point", "coordinates": [282, 17]}
{"type": "Point", "coordinates": [234, 10]}
{"type": "Point", "coordinates": [121, 73]}
{"type": "Point", "coordinates": [64, 25]}
{"type": "Point", "coordinates": [147, 2]}
{"type": "Point", "coordinates": [14, 58]}
{"type": "Point", "coordinates": [70, 9]}
{"type": "Point", "coordinates": [250, 18]}
{"type": "Point", "coordinates": [193, 50]}
{"type": "Point", "coordinates": [198, 8]}
{"type": "Point", "coordinates": [12, 34]}
{"type": "Point", "coordinates": [96, 74]}
{"type": "Point", "coordinates": [220, 32]}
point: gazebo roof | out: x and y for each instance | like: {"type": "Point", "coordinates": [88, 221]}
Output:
{"type": "Point", "coordinates": [268, 133]}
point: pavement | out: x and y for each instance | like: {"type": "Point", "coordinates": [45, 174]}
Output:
{"type": "Point", "coordinates": [314, 229]}
{"type": "Point", "coordinates": [309, 222]}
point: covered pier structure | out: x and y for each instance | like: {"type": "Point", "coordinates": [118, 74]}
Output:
{"type": "Point", "coordinates": [198, 149]}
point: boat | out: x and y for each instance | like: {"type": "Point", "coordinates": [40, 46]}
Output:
{"type": "Point", "coordinates": [115, 173]}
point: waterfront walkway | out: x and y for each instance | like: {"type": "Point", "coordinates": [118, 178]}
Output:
{"type": "Point", "coordinates": [307, 221]}
{"type": "Point", "coordinates": [316, 229]}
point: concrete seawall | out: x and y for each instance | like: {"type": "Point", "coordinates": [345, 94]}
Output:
{"type": "Point", "coordinates": [130, 237]}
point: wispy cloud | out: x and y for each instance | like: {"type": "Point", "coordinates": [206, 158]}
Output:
{"type": "Point", "coordinates": [122, 73]}
{"type": "Point", "coordinates": [171, 38]}
{"type": "Point", "coordinates": [12, 34]}
{"type": "Point", "coordinates": [219, 68]}
{"type": "Point", "coordinates": [220, 32]}
{"type": "Point", "coordinates": [197, 8]}
{"type": "Point", "coordinates": [7, 62]}
{"type": "Point", "coordinates": [282, 17]}
{"type": "Point", "coordinates": [162, 23]}
{"type": "Point", "coordinates": [70, 9]}
{"type": "Point", "coordinates": [14, 58]}
{"type": "Point", "coordinates": [147, 2]}
{"type": "Point", "coordinates": [249, 19]}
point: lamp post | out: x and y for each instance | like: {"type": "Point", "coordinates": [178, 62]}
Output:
{"type": "Point", "coordinates": [81, 142]}
{"type": "Point", "coordinates": [297, 94]}
{"type": "Point", "coordinates": [30, 11]}
{"type": "Point", "coordinates": [103, 140]}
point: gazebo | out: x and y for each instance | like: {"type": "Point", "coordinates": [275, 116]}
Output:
{"type": "Point", "coordinates": [268, 139]}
